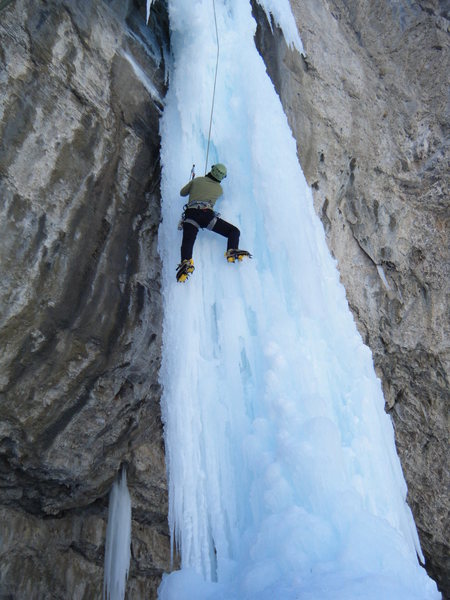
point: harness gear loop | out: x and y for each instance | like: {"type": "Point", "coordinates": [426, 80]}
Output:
{"type": "Point", "coordinates": [200, 204]}
{"type": "Point", "coordinates": [183, 215]}
{"type": "Point", "coordinates": [214, 88]}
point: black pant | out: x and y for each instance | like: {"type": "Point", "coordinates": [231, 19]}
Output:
{"type": "Point", "coordinates": [203, 218]}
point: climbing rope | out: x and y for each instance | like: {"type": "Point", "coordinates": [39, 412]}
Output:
{"type": "Point", "coordinates": [214, 89]}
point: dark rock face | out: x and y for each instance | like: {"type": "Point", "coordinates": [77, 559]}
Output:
{"type": "Point", "coordinates": [368, 107]}
{"type": "Point", "coordinates": [80, 317]}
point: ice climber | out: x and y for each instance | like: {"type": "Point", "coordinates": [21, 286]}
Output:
{"type": "Point", "coordinates": [199, 214]}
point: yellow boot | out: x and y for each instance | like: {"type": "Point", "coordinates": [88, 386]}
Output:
{"type": "Point", "coordinates": [232, 254]}
{"type": "Point", "coordinates": [190, 267]}
{"type": "Point", "coordinates": [184, 269]}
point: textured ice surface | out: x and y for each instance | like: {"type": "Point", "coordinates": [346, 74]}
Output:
{"type": "Point", "coordinates": [284, 480]}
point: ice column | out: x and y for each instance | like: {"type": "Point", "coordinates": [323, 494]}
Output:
{"type": "Point", "coordinates": [118, 540]}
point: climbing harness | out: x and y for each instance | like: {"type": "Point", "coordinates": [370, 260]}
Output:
{"type": "Point", "coordinates": [201, 206]}
{"type": "Point", "coordinates": [213, 221]}
{"type": "Point", "coordinates": [195, 224]}
{"type": "Point", "coordinates": [214, 88]}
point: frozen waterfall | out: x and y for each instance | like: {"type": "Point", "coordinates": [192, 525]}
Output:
{"type": "Point", "coordinates": [284, 480]}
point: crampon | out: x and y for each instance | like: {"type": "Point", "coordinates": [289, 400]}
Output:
{"type": "Point", "coordinates": [233, 255]}
{"type": "Point", "coordinates": [184, 269]}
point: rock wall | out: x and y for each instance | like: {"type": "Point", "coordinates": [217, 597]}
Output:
{"type": "Point", "coordinates": [368, 108]}
{"type": "Point", "coordinates": [80, 318]}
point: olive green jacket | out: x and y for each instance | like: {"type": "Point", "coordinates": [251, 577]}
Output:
{"type": "Point", "coordinates": [203, 192]}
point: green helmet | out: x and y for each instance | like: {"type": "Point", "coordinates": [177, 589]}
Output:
{"type": "Point", "coordinates": [219, 171]}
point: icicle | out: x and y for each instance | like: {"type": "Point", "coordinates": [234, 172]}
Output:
{"type": "Point", "coordinates": [382, 275]}
{"type": "Point", "coordinates": [149, 6]}
{"type": "Point", "coordinates": [281, 11]}
{"type": "Point", "coordinates": [118, 540]}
